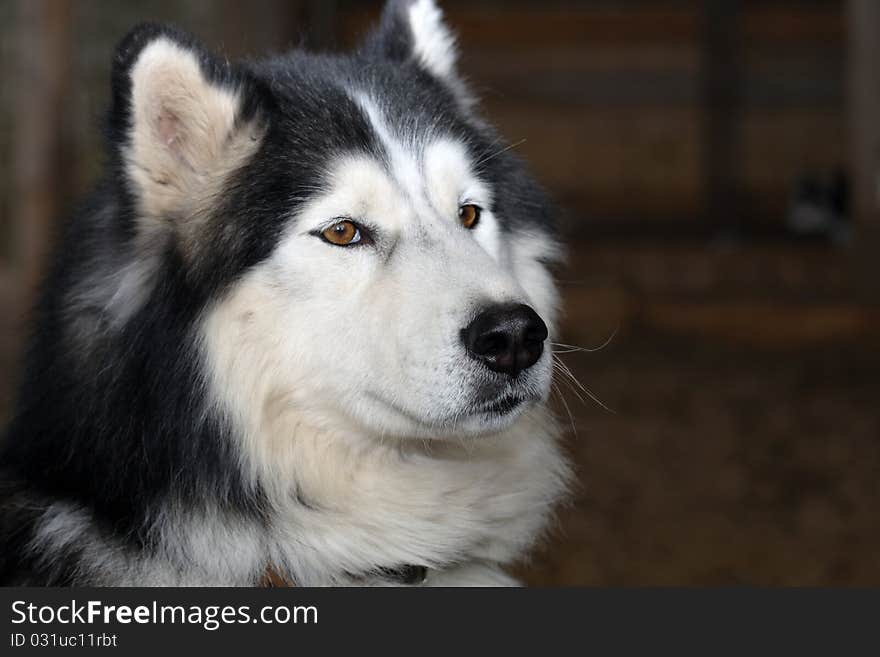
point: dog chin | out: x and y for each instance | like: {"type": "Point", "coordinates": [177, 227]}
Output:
{"type": "Point", "coordinates": [387, 419]}
{"type": "Point", "coordinates": [489, 422]}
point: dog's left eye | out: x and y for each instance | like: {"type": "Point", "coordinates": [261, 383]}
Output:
{"type": "Point", "coordinates": [469, 215]}
{"type": "Point", "coordinates": [343, 233]}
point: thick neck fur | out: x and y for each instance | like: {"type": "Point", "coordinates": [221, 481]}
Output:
{"type": "Point", "coordinates": [340, 509]}
{"type": "Point", "coordinates": [359, 504]}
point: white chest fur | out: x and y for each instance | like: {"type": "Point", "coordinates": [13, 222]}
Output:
{"type": "Point", "coordinates": [357, 506]}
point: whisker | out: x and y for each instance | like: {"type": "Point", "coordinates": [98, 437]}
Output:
{"type": "Point", "coordinates": [567, 380]}
{"type": "Point", "coordinates": [582, 387]}
{"type": "Point", "coordinates": [558, 392]}
{"type": "Point", "coordinates": [570, 348]}
{"type": "Point", "coordinates": [485, 159]}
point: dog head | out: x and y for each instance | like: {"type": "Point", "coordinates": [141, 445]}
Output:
{"type": "Point", "coordinates": [369, 252]}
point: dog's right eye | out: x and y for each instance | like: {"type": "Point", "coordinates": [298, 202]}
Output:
{"type": "Point", "coordinates": [343, 233]}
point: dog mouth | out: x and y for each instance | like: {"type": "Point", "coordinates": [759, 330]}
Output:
{"type": "Point", "coordinates": [501, 408]}
{"type": "Point", "coordinates": [490, 409]}
{"type": "Point", "coordinates": [503, 405]}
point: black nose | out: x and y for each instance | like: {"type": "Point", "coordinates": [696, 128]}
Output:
{"type": "Point", "coordinates": [507, 339]}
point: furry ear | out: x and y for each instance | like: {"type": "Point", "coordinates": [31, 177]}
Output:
{"type": "Point", "coordinates": [184, 121]}
{"type": "Point", "coordinates": [415, 30]}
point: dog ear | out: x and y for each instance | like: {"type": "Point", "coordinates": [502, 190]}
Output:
{"type": "Point", "coordinates": [182, 121]}
{"type": "Point", "coordinates": [414, 30]}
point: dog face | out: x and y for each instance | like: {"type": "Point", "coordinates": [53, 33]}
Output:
{"type": "Point", "coordinates": [383, 254]}
{"type": "Point", "coordinates": [393, 298]}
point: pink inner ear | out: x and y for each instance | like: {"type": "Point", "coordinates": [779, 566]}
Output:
{"type": "Point", "coordinates": [168, 127]}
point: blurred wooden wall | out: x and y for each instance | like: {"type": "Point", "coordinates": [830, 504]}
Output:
{"type": "Point", "coordinates": [645, 119]}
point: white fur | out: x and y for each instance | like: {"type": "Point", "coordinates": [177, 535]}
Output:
{"type": "Point", "coordinates": [446, 182]}
{"type": "Point", "coordinates": [342, 370]}
{"type": "Point", "coordinates": [434, 43]}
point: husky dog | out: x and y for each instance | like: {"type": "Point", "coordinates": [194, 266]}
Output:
{"type": "Point", "coordinates": [300, 328]}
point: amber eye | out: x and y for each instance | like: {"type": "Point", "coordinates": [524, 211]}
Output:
{"type": "Point", "coordinates": [469, 215]}
{"type": "Point", "coordinates": [344, 233]}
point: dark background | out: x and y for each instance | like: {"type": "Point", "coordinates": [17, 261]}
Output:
{"type": "Point", "coordinates": [719, 163]}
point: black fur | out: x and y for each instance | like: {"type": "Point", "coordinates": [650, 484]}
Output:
{"type": "Point", "coordinates": [121, 430]}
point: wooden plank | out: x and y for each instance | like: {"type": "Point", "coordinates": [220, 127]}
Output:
{"type": "Point", "coordinates": [592, 314]}
{"type": "Point", "coordinates": [11, 333]}
{"type": "Point", "coordinates": [773, 271]}
{"type": "Point", "coordinates": [863, 18]}
{"type": "Point", "coordinates": [792, 26]}
{"type": "Point", "coordinates": [780, 296]}
{"type": "Point", "coordinates": [43, 84]}
{"type": "Point", "coordinates": [722, 96]}
{"type": "Point", "coordinates": [772, 325]}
